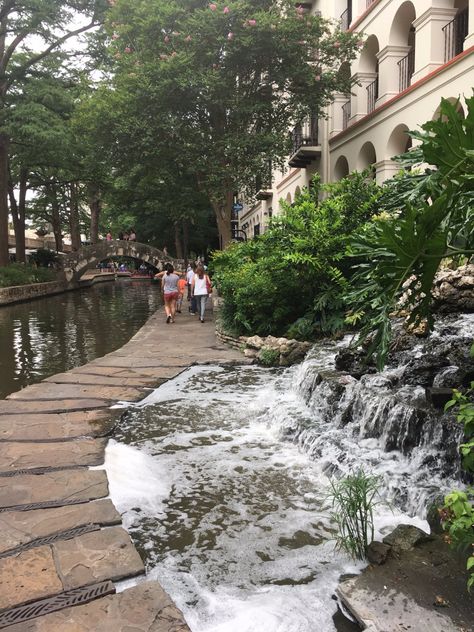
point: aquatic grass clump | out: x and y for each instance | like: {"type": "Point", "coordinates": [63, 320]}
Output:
{"type": "Point", "coordinates": [353, 500]}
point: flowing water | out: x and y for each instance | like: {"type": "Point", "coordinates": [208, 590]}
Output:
{"type": "Point", "coordinates": [54, 334]}
{"type": "Point", "coordinates": [222, 476]}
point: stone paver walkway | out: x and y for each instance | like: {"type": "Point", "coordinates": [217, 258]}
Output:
{"type": "Point", "coordinates": [62, 546]}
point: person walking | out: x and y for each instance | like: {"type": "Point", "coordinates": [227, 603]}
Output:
{"type": "Point", "coordinates": [132, 236]}
{"type": "Point", "coordinates": [189, 278]}
{"type": "Point", "coordinates": [200, 289]}
{"type": "Point", "coordinates": [108, 236]}
{"type": "Point", "coordinates": [181, 288]}
{"type": "Point", "coordinates": [169, 285]}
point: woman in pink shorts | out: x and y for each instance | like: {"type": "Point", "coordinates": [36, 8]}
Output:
{"type": "Point", "coordinates": [169, 286]}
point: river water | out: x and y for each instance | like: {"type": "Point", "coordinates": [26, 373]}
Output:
{"type": "Point", "coordinates": [231, 517]}
{"type": "Point", "coordinates": [54, 334]}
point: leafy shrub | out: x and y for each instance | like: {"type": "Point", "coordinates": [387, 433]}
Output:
{"type": "Point", "coordinates": [457, 514]}
{"type": "Point", "coordinates": [268, 356]}
{"type": "Point", "coordinates": [44, 257]}
{"type": "Point", "coordinates": [427, 216]}
{"type": "Point", "coordinates": [21, 274]}
{"type": "Point", "coordinates": [353, 502]}
{"type": "Point", "coordinates": [299, 267]}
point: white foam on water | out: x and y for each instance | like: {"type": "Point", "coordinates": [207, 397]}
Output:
{"type": "Point", "coordinates": [135, 479]}
{"type": "Point", "coordinates": [225, 504]}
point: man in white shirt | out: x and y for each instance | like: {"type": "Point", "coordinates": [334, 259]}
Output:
{"type": "Point", "coordinates": [189, 280]}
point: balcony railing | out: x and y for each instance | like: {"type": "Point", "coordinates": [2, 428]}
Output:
{"type": "Point", "coordinates": [346, 17]}
{"type": "Point", "coordinates": [406, 68]}
{"type": "Point", "coordinates": [263, 183]}
{"type": "Point", "coordinates": [305, 134]}
{"type": "Point", "coordinates": [368, 3]}
{"type": "Point", "coordinates": [372, 94]}
{"type": "Point", "coordinates": [346, 114]}
{"type": "Point", "coordinates": [455, 32]}
{"type": "Point", "coordinates": [305, 142]}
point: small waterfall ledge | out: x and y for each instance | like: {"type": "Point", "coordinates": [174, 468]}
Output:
{"type": "Point", "coordinates": [384, 421]}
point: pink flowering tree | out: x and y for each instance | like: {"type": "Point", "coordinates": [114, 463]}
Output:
{"type": "Point", "coordinates": [212, 89]}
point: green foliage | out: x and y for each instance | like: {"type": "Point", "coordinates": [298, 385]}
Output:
{"type": "Point", "coordinates": [426, 217]}
{"type": "Point", "coordinates": [44, 257]}
{"type": "Point", "coordinates": [293, 278]}
{"type": "Point", "coordinates": [21, 274]}
{"type": "Point", "coordinates": [353, 501]}
{"type": "Point", "coordinates": [268, 356]}
{"type": "Point", "coordinates": [207, 96]}
{"type": "Point", "coordinates": [457, 515]}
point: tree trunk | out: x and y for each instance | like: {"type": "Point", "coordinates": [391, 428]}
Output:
{"type": "Point", "coordinates": [74, 218]}
{"type": "Point", "coordinates": [56, 220]}
{"type": "Point", "coordinates": [185, 241]}
{"type": "Point", "coordinates": [95, 208]}
{"type": "Point", "coordinates": [177, 240]}
{"type": "Point", "coordinates": [4, 144]}
{"type": "Point", "coordinates": [223, 212]}
{"type": "Point", "coordinates": [18, 213]}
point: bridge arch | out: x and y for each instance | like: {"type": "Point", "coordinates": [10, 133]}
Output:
{"type": "Point", "coordinates": [75, 264]}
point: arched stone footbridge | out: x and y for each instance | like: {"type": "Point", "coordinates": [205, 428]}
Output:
{"type": "Point", "coordinates": [76, 263]}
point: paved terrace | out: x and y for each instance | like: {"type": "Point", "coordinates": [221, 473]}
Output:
{"type": "Point", "coordinates": [62, 545]}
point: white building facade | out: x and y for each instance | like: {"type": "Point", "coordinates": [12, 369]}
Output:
{"type": "Point", "coordinates": [415, 53]}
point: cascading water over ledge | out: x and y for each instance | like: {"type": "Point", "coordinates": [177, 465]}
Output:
{"type": "Point", "coordinates": [223, 484]}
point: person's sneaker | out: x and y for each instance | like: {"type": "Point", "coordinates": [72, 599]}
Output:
{"type": "Point", "coordinates": [168, 320]}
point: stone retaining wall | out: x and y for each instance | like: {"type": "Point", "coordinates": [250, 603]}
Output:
{"type": "Point", "coordinates": [18, 293]}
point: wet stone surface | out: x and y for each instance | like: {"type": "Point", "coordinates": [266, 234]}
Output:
{"type": "Point", "coordinates": [25, 456]}
{"type": "Point", "coordinates": [21, 527]}
{"type": "Point", "coordinates": [143, 608]}
{"type": "Point", "coordinates": [26, 489]}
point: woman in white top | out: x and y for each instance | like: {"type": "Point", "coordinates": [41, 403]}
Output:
{"type": "Point", "coordinates": [200, 289]}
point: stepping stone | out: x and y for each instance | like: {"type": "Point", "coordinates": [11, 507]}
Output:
{"type": "Point", "coordinates": [20, 528]}
{"type": "Point", "coordinates": [143, 608]}
{"type": "Point", "coordinates": [51, 426]}
{"type": "Point", "coordinates": [49, 570]}
{"type": "Point", "coordinates": [12, 407]}
{"type": "Point", "coordinates": [48, 391]}
{"type": "Point", "coordinates": [97, 556]}
{"type": "Point", "coordinates": [139, 362]}
{"type": "Point", "coordinates": [105, 380]}
{"type": "Point", "coordinates": [29, 576]}
{"type": "Point", "coordinates": [60, 488]}
{"type": "Point", "coordinates": [29, 456]}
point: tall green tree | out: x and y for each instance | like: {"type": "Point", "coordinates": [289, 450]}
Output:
{"type": "Point", "coordinates": [30, 31]}
{"type": "Point", "coordinates": [221, 84]}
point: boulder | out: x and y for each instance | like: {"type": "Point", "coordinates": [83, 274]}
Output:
{"type": "Point", "coordinates": [254, 342]}
{"type": "Point", "coordinates": [454, 289]}
{"type": "Point", "coordinates": [406, 537]}
{"type": "Point", "coordinates": [378, 552]}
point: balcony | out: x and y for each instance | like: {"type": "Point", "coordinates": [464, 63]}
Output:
{"type": "Point", "coordinates": [346, 114]}
{"type": "Point", "coordinates": [305, 143]}
{"type": "Point", "coordinates": [372, 95]}
{"type": "Point", "coordinates": [455, 32]}
{"type": "Point", "coordinates": [346, 18]}
{"type": "Point", "coordinates": [263, 184]}
{"type": "Point", "coordinates": [406, 68]}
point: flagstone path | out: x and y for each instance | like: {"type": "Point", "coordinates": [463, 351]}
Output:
{"type": "Point", "coordinates": [63, 547]}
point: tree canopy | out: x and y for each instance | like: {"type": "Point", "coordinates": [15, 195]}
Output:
{"type": "Point", "coordinates": [207, 92]}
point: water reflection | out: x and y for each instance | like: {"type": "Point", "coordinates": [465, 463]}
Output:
{"type": "Point", "coordinates": [54, 334]}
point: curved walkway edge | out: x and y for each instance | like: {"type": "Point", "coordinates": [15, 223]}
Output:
{"type": "Point", "coordinates": [63, 546]}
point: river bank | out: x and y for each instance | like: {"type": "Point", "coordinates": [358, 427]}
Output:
{"type": "Point", "coordinates": [61, 546]}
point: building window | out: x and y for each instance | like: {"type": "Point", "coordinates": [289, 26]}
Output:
{"type": "Point", "coordinates": [256, 230]}
{"type": "Point", "coordinates": [346, 16]}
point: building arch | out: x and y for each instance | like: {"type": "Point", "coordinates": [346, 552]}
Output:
{"type": "Point", "coordinates": [297, 192]}
{"type": "Point", "coordinates": [399, 141]}
{"type": "Point", "coordinates": [368, 57]}
{"type": "Point", "coordinates": [341, 168]}
{"type": "Point", "coordinates": [454, 101]}
{"type": "Point", "coordinates": [402, 32]}
{"type": "Point", "coordinates": [288, 198]}
{"type": "Point", "coordinates": [367, 156]}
